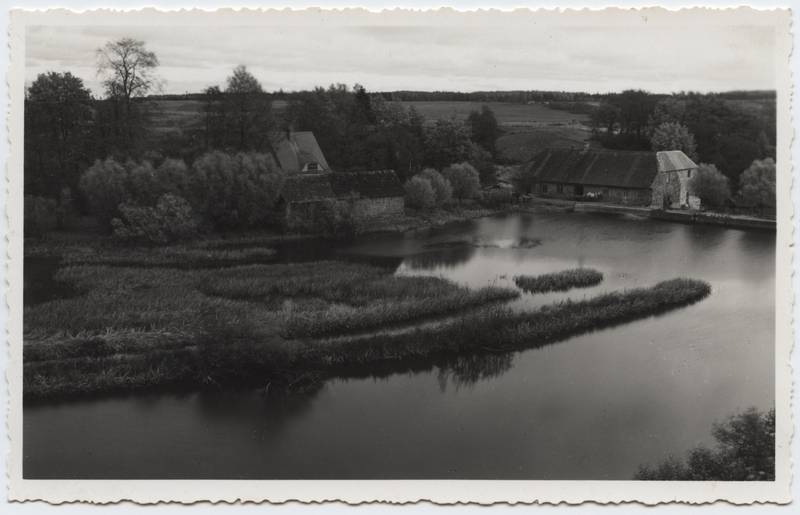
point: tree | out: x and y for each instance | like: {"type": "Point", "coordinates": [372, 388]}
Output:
{"type": "Point", "coordinates": [104, 185]}
{"type": "Point", "coordinates": [464, 179]}
{"type": "Point", "coordinates": [484, 129]}
{"type": "Point", "coordinates": [710, 185]}
{"type": "Point", "coordinates": [674, 136]}
{"type": "Point", "coordinates": [605, 116]}
{"type": "Point", "coordinates": [441, 186]}
{"type": "Point", "coordinates": [128, 69]}
{"type": "Point", "coordinates": [744, 451]}
{"type": "Point", "coordinates": [215, 119]}
{"type": "Point", "coordinates": [249, 110]}
{"type": "Point", "coordinates": [171, 219]}
{"type": "Point", "coordinates": [58, 115]}
{"type": "Point", "coordinates": [757, 183]}
{"type": "Point", "coordinates": [419, 193]}
{"type": "Point", "coordinates": [446, 142]}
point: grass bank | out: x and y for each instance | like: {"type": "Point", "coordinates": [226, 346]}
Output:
{"type": "Point", "coordinates": [559, 281]}
{"type": "Point", "coordinates": [147, 328]}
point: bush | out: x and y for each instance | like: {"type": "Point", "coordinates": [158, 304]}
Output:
{"type": "Point", "coordinates": [710, 185]}
{"type": "Point", "coordinates": [40, 215]}
{"type": "Point", "coordinates": [419, 193]}
{"type": "Point", "coordinates": [757, 183]}
{"type": "Point", "coordinates": [464, 179]}
{"type": "Point", "coordinates": [441, 186]}
{"type": "Point", "coordinates": [745, 451]}
{"type": "Point", "coordinates": [482, 161]}
{"type": "Point", "coordinates": [174, 177]}
{"type": "Point", "coordinates": [497, 197]}
{"type": "Point", "coordinates": [235, 191]}
{"type": "Point", "coordinates": [170, 220]}
{"type": "Point", "coordinates": [335, 220]}
{"type": "Point", "coordinates": [104, 187]}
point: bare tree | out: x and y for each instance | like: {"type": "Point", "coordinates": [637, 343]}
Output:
{"type": "Point", "coordinates": [128, 69]}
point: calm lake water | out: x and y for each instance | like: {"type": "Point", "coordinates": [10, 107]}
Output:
{"type": "Point", "coordinates": [591, 407]}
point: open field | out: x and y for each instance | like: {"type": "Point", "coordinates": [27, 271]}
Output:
{"type": "Point", "coordinates": [507, 113]}
{"type": "Point", "coordinates": [520, 144]}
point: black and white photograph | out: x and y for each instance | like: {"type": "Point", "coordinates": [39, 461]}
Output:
{"type": "Point", "coordinates": [316, 245]}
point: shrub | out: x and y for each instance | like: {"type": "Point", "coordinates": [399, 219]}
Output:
{"type": "Point", "coordinates": [745, 451]}
{"type": "Point", "coordinates": [482, 161]}
{"type": "Point", "coordinates": [335, 220]}
{"type": "Point", "coordinates": [464, 179]}
{"type": "Point", "coordinates": [441, 186]}
{"type": "Point", "coordinates": [235, 191]}
{"type": "Point", "coordinates": [40, 215]}
{"type": "Point", "coordinates": [497, 197]}
{"type": "Point", "coordinates": [710, 185]}
{"type": "Point", "coordinates": [174, 177]}
{"type": "Point", "coordinates": [560, 281]}
{"type": "Point", "coordinates": [170, 220]}
{"type": "Point", "coordinates": [142, 185]}
{"type": "Point", "coordinates": [419, 193]}
{"type": "Point", "coordinates": [757, 183]}
{"type": "Point", "coordinates": [104, 187]}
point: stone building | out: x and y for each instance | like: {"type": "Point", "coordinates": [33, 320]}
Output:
{"type": "Point", "coordinates": [655, 179]}
{"type": "Point", "coordinates": [367, 199]}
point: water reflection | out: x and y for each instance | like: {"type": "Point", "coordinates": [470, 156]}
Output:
{"type": "Point", "coordinates": [466, 371]}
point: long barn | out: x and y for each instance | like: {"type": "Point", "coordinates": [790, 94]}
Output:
{"type": "Point", "coordinates": [655, 179]}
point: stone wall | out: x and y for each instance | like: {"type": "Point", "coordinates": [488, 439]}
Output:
{"type": "Point", "coordinates": [670, 190]}
{"type": "Point", "coordinates": [376, 211]}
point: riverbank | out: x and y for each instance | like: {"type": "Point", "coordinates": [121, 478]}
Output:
{"type": "Point", "coordinates": [670, 215]}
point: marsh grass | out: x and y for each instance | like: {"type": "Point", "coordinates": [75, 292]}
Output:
{"type": "Point", "coordinates": [559, 281]}
{"type": "Point", "coordinates": [170, 257]}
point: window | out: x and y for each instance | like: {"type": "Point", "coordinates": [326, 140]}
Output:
{"type": "Point", "coordinates": [312, 166]}
{"type": "Point", "coordinates": [560, 188]}
{"type": "Point", "coordinates": [543, 188]}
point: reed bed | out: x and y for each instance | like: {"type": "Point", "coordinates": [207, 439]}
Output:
{"type": "Point", "coordinates": [169, 257]}
{"type": "Point", "coordinates": [559, 281]}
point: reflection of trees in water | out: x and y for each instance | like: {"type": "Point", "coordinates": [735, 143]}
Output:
{"type": "Point", "coordinates": [469, 369]}
{"type": "Point", "coordinates": [448, 258]}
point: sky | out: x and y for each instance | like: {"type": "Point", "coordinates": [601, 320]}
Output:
{"type": "Point", "coordinates": [498, 52]}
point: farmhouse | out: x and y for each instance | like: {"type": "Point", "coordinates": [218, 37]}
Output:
{"type": "Point", "coordinates": [655, 179]}
{"type": "Point", "coordinates": [310, 200]}
{"type": "Point", "coordinates": [298, 152]}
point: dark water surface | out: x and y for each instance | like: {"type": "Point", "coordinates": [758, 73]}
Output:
{"type": "Point", "coordinates": [592, 407]}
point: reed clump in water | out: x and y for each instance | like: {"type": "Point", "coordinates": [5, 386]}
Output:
{"type": "Point", "coordinates": [559, 281]}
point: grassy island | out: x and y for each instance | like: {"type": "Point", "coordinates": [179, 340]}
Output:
{"type": "Point", "coordinates": [559, 281]}
{"type": "Point", "coordinates": [139, 327]}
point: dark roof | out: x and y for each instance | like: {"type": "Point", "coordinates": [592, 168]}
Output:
{"type": "Point", "coordinates": [372, 184]}
{"type": "Point", "coordinates": [297, 149]}
{"type": "Point", "coordinates": [674, 161]}
{"type": "Point", "coordinates": [307, 187]}
{"type": "Point", "coordinates": [622, 169]}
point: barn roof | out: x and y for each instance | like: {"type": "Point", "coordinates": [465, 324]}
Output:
{"type": "Point", "coordinates": [618, 169]}
{"type": "Point", "coordinates": [371, 184]}
{"type": "Point", "coordinates": [673, 161]}
{"type": "Point", "coordinates": [307, 187]}
{"type": "Point", "coordinates": [297, 149]}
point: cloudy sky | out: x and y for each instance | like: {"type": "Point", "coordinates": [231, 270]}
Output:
{"type": "Point", "coordinates": [463, 53]}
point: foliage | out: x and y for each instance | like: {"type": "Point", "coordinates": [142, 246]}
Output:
{"type": "Point", "coordinates": [446, 142]}
{"type": "Point", "coordinates": [57, 133]}
{"type": "Point", "coordinates": [170, 220]}
{"type": "Point", "coordinates": [235, 191]}
{"type": "Point", "coordinates": [441, 186]}
{"type": "Point", "coordinates": [481, 160]}
{"type": "Point", "coordinates": [744, 451]}
{"type": "Point", "coordinates": [757, 183]}
{"type": "Point", "coordinates": [673, 136]}
{"type": "Point", "coordinates": [710, 186]}
{"type": "Point", "coordinates": [464, 179]}
{"type": "Point", "coordinates": [484, 129]}
{"type": "Point", "coordinates": [559, 281]}
{"type": "Point", "coordinates": [334, 219]}
{"type": "Point", "coordinates": [248, 109]}
{"type": "Point", "coordinates": [498, 197]}
{"type": "Point", "coordinates": [104, 185]}
{"type": "Point", "coordinates": [420, 193]}
{"type": "Point", "coordinates": [40, 215]}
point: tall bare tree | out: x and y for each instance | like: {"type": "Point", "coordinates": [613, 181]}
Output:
{"type": "Point", "coordinates": [128, 68]}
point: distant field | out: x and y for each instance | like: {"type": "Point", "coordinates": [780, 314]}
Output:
{"type": "Point", "coordinates": [527, 128]}
{"type": "Point", "coordinates": [507, 113]}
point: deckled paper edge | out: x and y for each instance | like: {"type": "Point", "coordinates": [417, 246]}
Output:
{"type": "Point", "coordinates": [396, 492]}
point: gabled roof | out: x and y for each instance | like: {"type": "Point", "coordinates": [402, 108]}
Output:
{"type": "Point", "coordinates": [307, 187]}
{"type": "Point", "coordinates": [674, 161]}
{"type": "Point", "coordinates": [372, 184]}
{"type": "Point", "coordinates": [297, 149]}
{"type": "Point", "coordinates": [618, 169]}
